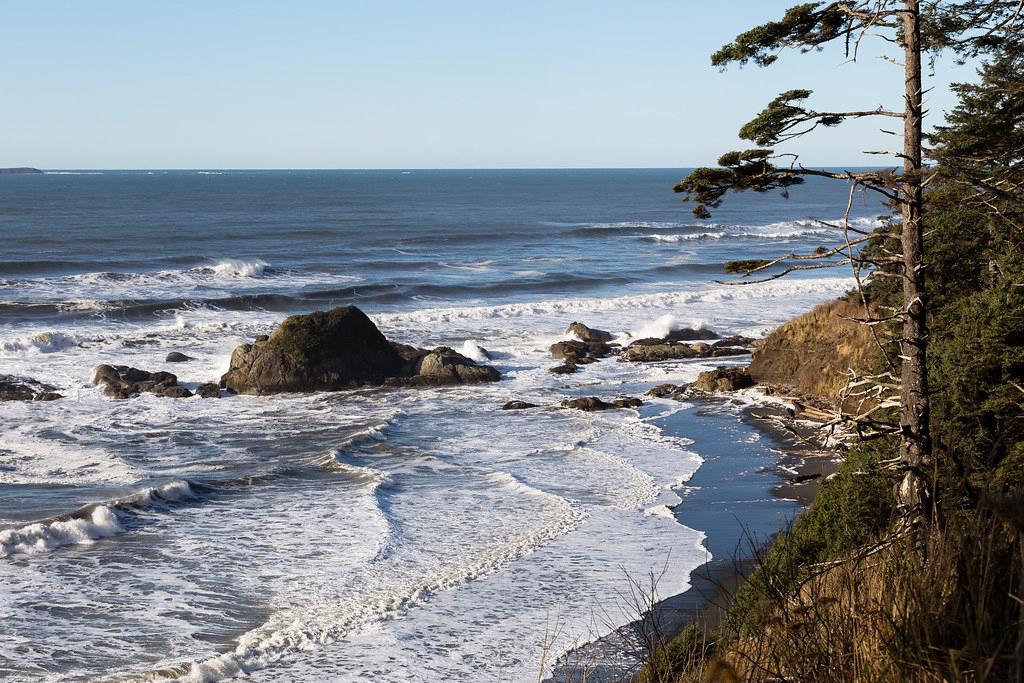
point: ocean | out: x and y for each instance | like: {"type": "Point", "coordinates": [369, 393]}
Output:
{"type": "Point", "coordinates": [378, 534]}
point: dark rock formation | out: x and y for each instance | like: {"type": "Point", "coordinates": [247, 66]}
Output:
{"type": "Point", "coordinates": [735, 341]}
{"type": "Point", "coordinates": [593, 403]}
{"type": "Point", "coordinates": [690, 334]}
{"type": "Point", "coordinates": [175, 357]}
{"type": "Point", "coordinates": [723, 379]}
{"type": "Point", "coordinates": [208, 390]}
{"type": "Point", "coordinates": [518, 405]}
{"type": "Point", "coordinates": [649, 353]}
{"type": "Point", "coordinates": [25, 389]}
{"type": "Point", "coordinates": [589, 334]}
{"type": "Point", "coordinates": [20, 170]}
{"type": "Point", "coordinates": [443, 366]}
{"type": "Point", "coordinates": [580, 352]}
{"type": "Point", "coordinates": [341, 349]}
{"type": "Point", "coordinates": [667, 390]}
{"type": "Point", "coordinates": [121, 381]}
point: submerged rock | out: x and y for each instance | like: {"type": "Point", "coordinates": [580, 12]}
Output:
{"type": "Point", "coordinates": [723, 379]}
{"type": "Point", "coordinates": [175, 357]}
{"type": "Point", "coordinates": [341, 349]}
{"type": "Point", "coordinates": [121, 381]}
{"type": "Point", "coordinates": [26, 389]}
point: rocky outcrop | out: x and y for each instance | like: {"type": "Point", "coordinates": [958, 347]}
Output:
{"type": "Point", "coordinates": [121, 381]}
{"type": "Point", "coordinates": [176, 357]}
{"type": "Point", "coordinates": [593, 403]}
{"type": "Point", "coordinates": [441, 366]}
{"type": "Point", "coordinates": [26, 389]}
{"type": "Point", "coordinates": [723, 379]}
{"type": "Point", "coordinates": [649, 353]}
{"type": "Point", "coordinates": [341, 349]}
{"type": "Point", "coordinates": [814, 352]}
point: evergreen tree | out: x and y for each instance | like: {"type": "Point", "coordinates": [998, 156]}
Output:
{"type": "Point", "coordinates": [920, 30]}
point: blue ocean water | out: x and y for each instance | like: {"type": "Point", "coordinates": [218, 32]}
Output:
{"type": "Point", "coordinates": [385, 535]}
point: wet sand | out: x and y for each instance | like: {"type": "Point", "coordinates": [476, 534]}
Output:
{"type": "Point", "coordinates": [755, 478]}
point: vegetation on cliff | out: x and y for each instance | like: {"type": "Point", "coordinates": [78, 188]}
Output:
{"type": "Point", "coordinates": [849, 592]}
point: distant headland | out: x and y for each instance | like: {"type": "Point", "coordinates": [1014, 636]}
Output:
{"type": "Point", "coordinates": [20, 169]}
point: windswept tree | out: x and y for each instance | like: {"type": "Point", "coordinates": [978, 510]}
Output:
{"type": "Point", "coordinates": [919, 30]}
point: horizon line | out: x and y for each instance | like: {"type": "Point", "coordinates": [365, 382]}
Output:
{"type": "Point", "coordinates": [396, 168]}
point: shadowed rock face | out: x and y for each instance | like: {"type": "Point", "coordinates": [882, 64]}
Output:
{"type": "Point", "coordinates": [341, 349]}
{"type": "Point", "coordinates": [25, 389]}
{"type": "Point", "coordinates": [723, 379]}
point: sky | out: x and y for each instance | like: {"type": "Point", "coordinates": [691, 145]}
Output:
{"type": "Point", "coordinates": [411, 84]}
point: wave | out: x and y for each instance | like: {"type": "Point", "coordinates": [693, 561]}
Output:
{"type": "Point", "coordinates": [90, 523]}
{"type": "Point", "coordinates": [572, 306]}
{"type": "Point", "coordinates": [44, 342]}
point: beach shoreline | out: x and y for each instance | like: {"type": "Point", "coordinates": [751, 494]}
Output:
{"type": "Point", "coordinates": [791, 480]}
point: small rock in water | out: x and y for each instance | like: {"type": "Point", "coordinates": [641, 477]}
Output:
{"type": "Point", "coordinates": [588, 404]}
{"type": "Point", "coordinates": [627, 403]}
{"type": "Point", "coordinates": [175, 357]}
{"type": "Point", "coordinates": [208, 390]}
{"type": "Point", "coordinates": [518, 405]}
{"type": "Point", "coordinates": [121, 381]}
{"type": "Point", "coordinates": [563, 369]}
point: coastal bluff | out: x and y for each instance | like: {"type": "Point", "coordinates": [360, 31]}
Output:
{"type": "Point", "coordinates": [20, 170]}
{"type": "Point", "coordinates": [342, 349]}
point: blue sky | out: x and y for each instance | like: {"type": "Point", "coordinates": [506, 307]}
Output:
{"type": "Point", "coordinates": [413, 84]}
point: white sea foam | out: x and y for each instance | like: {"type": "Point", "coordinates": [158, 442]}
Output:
{"type": "Point", "coordinates": [472, 350]}
{"type": "Point", "coordinates": [43, 342]}
{"type": "Point", "coordinates": [234, 268]}
{"type": "Point", "coordinates": [43, 537]}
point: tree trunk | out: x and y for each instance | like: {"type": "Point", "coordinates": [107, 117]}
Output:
{"type": "Point", "coordinates": [913, 492]}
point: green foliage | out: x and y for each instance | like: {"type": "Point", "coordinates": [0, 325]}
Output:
{"type": "Point", "coordinates": [738, 171]}
{"type": "Point", "coordinates": [745, 265]}
{"type": "Point", "coordinates": [851, 509]}
{"type": "Point", "coordinates": [684, 652]}
{"type": "Point", "coordinates": [807, 25]}
{"type": "Point", "coordinates": [779, 116]}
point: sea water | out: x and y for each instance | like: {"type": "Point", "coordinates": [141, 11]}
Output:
{"type": "Point", "coordinates": [378, 534]}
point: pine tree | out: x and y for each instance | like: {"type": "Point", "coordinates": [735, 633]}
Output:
{"type": "Point", "coordinates": [920, 30]}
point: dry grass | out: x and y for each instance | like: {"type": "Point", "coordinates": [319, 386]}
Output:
{"type": "Point", "coordinates": [815, 351]}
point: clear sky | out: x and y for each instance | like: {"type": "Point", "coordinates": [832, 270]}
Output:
{"type": "Point", "coordinates": [406, 84]}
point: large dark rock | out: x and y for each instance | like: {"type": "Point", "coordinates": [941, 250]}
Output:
{"type": "Point", "coordinates": [341, 349]}
{"type": "Point", "coordinates": [176, 357]}
{"type": "Point", "coordinates": [121, 381]}
{"type": "Point", "coordinates": [25, 389]}
{"type": "Point", "coordinates": [723, 379]}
